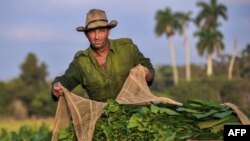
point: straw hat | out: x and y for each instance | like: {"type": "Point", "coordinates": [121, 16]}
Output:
{"type": "Point", "coordinates": [96, 18]}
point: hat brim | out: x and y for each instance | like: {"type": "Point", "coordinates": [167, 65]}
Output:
{"type": "Point", "coordinates": [112, 24]}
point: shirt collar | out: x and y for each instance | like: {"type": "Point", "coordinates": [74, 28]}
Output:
{"type": "Point", "coordinates": [111, 46]}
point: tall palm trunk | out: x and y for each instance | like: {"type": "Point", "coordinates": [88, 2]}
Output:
{"type": "Point", "coordinates": [209, 64]}
{"type": "Point", "coordinates": [187, 52]}
{"type": "Point", "coordinates": [230, 69]}
{"type": "Point", "coordinates": [172, 55]}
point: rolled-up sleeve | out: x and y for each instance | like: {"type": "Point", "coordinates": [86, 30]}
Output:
{"type": "Point", "coordinates": [70, 79]}
{"type": "Point", "coordinates": [145, 62]}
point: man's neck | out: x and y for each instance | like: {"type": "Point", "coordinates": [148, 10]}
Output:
{"type": "Point", "coordinates": [101, 52]}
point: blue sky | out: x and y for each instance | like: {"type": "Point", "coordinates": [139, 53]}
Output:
{"type": "Point", "coordinates": [47, 29]}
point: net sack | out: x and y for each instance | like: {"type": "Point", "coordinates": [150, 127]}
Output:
{"type": "Point", "coordinates": [84, 113]}
{"type": "Point", "coordinates": [136, 91]}
{"type": "Point", "coordinates": [81, 111]}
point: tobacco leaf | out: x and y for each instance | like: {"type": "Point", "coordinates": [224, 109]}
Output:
{"type": "Point", "coordinates": [195, 119]}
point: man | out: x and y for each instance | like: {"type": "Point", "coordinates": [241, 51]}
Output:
{"type": "Point", "coordinates": [102, 68]}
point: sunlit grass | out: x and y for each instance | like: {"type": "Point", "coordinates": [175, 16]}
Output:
{"type": "Point", "coordinates": [13, 125]}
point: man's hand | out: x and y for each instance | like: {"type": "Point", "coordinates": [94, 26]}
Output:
{"type": "Point", "coordinates": [148, 75]}
{"type": "Point", "coordinates": [57, 89]}
{"type": "Point", "coordinates": [146, 72]}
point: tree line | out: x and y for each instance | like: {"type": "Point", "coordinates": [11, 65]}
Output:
{"type": "Point", "coordinates": [219, 87]}
{"type": "Point", "coordinates": [28, 95]}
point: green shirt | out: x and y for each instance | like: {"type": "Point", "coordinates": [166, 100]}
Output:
{"type": "Point", "coordinates": [99, 84]}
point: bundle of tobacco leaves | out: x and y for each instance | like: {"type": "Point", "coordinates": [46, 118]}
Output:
{"type": "Point", "coordinates": [196, 119]}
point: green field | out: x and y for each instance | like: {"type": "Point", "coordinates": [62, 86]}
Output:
{"type": "Point", "coordinates": [13, 125]}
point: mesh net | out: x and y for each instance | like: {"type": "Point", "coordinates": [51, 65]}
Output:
{"type": "Point", "coordinates": [84, 113]}
{"type": "Point", "coordinates": [136, 91]}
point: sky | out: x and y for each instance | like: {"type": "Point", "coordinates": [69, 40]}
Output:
{"type": "Point", "coordinates": [47, 29]}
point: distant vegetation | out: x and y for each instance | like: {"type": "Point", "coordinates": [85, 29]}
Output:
{"type": "Point", "coordinates": [27, 133]}
{"type": "Point", "coordinates": [29, 94]}
{"type": "Point", "coordinates": [217, 87]}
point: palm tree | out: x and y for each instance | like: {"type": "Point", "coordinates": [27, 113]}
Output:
{"type": "Point", "coordinates": [232, 61]}
{"type": "Point", "coordinates": [207, 21]}
{"type": "Point", "coordinates": [183, 18]}
{"type": "Point", "coordinates": [166, 23]}
{"type": "Point", "coordinates": [209, 14]}
{"type": "Point", "coordinates": [210, 42]}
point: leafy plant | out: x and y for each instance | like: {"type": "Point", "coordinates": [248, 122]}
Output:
{"type": "Point", "coordinates": [67, 134]}
{"type": "Point", "coordinates": [27, 133]}
{"type": "Point", "coordinates": [195, 119]}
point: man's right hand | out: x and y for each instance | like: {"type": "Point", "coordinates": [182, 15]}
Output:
{"type": "Point", "coordinates": [57, 89]}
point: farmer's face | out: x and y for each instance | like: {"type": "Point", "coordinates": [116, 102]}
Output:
{"type": "Point", "coordinates": [98, 37]}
